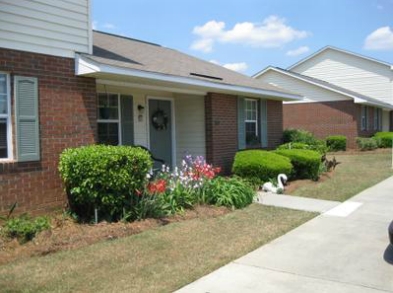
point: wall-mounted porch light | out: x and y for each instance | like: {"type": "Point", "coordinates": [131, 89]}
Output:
{"type": "Point", "coordinates": [141, 110]}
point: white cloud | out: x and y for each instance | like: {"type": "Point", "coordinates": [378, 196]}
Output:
{"type": "Point", "coordinates": [239, 67]}
{"type": "Point", "coordinates": [215, 62]}
{"type": "Point", "coordinates": [298, 51]}
{"type": "Point", "coordinates": [380, 7]}
{"type": "Point", "coordinates": [106, 26]}
{"type": "Point", "coordinates": [204, 45]}
{"type": "Point", "coordinates": [271, 33]}
{"type": "Point", "coordinates": [380, 39]}
{"type": "Point", "coordinates": [109, 26]}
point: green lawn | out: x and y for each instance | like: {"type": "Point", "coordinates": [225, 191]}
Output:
{"type": "Point", "coordinates": [159, 260]}
{"type": "Point", "coordinates": [354, 174]}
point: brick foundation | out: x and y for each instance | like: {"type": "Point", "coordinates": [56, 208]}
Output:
{"type": "Point", "coordinates": [329, 118]}
{"type": "Point", "coordinates": [67, 118]}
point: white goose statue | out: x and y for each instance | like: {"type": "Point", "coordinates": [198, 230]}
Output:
{"type": "Point", "coordinates": [270, 187]}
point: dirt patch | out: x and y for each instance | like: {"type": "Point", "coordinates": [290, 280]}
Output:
{"type": "Point", "coordinates": [67, 234]}
{"type": "Point", "coordinates": [293, 185]}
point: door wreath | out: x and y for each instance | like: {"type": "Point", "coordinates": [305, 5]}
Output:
{"type": "Point", "coordinates": [159, 120]}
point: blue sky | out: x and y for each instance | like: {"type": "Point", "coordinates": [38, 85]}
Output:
{"type": "Point", "coordinates": [248, 35]}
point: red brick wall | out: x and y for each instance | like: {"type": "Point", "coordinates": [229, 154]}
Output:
{"type": "Point", "coordinates": [274, 123]}
{"type": "Point", "coordinates": [221, 130]}
{"type": "Point", "coordinates": [329, 118]}
{"type": "Point", "coordinates": [67, 109]}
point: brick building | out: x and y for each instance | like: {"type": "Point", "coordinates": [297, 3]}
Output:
{"type": "Point", "coordinates": [344, 94]}
{"type": "Point", "coordinates": [63, 85]}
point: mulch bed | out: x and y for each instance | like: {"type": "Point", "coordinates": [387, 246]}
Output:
{"type": "Point", "coordinates": [67, 234]}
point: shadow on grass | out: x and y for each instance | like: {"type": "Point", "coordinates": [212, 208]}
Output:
{"type": "Point", "coordinates": [388, 255]}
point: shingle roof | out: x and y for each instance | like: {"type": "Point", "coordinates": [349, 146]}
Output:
{"type": "Point", "coordinates": [334, 87]}
{"type": "Point", "coordinates": [129, 53]}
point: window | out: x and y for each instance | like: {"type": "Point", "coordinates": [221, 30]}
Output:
{"type": "Point", "coordinates": [364, 118]}
{"type": "Point", "coordinates": [108, 113]}
{"type": "Point", "coordinates": [377, 119]}
{"type": "Point", "coordinates": [5, 121]}
{"type": "Point", "coordinates": [251, 121]}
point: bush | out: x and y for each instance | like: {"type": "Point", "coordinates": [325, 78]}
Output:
{"type": "Point", "coordinates": [24, 228]}
{"type": "Point", "coordinates": [319, 146]}
{"type": "Point", "coordinates": [260, 166]}
{"type": "Point", "coordinates": [298, 135]}
{"type": "Point", "coordinates": [366, 143]}
{"type": "Point", "coordinates": [230, 192]}
{"type": "Point", "coordinates": [306, 163]}
{"type": "Point", "coordinates": [336, 143]}
{"type": "Point", "coordinates": [384, 139]}
{"type": "Point", "coordinates": [103, 177]}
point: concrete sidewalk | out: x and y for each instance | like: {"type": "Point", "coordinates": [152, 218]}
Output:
{"type": "Point", "coordinates": [296, 202]}
{"type": "Point", "coordinates": [334, 252]}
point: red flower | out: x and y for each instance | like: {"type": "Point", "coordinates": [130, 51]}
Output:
{"type": "Point", "coordinates": [158, 186]}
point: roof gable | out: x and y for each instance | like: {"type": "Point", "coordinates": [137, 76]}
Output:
{"type": "Point", "coordinates": [341, 51]}
{"type": "Point", "coordinates": [357, 97]}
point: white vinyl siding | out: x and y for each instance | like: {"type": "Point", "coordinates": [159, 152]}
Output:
{"type": "Point", "coordinates": [58, 28]}
{"type": "Point", "coordinates": [351, 72]}
{"type": "Point", "coordinates": [189, 118]}
{"type": "Point", "coordinates": [190, 126]}
{"type": "Point", "coordinates": [311, 93]}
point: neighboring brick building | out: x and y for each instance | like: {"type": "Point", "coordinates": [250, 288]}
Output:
{"type": "Point", "coordinates": [57, 91]}
{"type": "Point", "coordinates": [344, 93]}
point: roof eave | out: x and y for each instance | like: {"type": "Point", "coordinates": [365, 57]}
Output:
{"type": "Point", "coordinates": [374, 104]}
{"type": "Point", "coordinates": [86, 66]}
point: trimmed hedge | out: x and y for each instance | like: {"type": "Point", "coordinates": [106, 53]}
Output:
{"type": "Point", "coordinates": [103, 177]}
{"type": "Point", "coordinates": [336, 142]}
{"type": "Point", "coordinates": [260, 166]}
{"type": "Point", "coordinates": [366, 143]}
{"type": "Point", "coordinates": [319, 146]}
{"type": "Point", "coordinates": [384, 139]}
{"type": "Point", "coordinates": [305, 163]}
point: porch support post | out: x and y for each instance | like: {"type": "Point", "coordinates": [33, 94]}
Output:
{"type": "Point", "coordinates": [221, 130]}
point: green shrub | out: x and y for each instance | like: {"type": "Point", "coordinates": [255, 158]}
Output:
{"type": "Point", "coordinates": [178, 198]}
{"type": "Point", "coordinates": [306, 163]}
{"type": "Point", "coordinates": [298, 135]}
{"type": "Point", "coordinates": [366, 143]}
{"type": "Point", "coordinates": [336, 143]}
{"type": "Point", "coordinates": [384, 139]}
{"type": "Point", "coordinates": [260, 166]}
{"type": "Point", "coordinates": [230, 192]}
{"type": "Point", "coordinates": [318, 145]}
{"type": "Point", "coordinates": [103, 177]}
{"type": "Point", "coordinates": [25, 228]}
